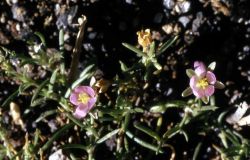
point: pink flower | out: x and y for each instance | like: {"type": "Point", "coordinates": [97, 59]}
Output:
{"type": "Point", "coordinates": [202, 81]}
{"type": "Point", "coordinates": [84, 98]}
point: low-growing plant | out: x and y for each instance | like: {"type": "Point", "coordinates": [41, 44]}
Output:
{"type": "Point", "coordinates": [109, 116]}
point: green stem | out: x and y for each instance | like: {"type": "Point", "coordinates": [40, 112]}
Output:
{"type": "Point", "coordinates": [90, 153]}
{"type": "Point", "coordinates": [183, 120]}
{"type": "Point", "coordinates": [92, 140]}
{"type": "Point", "coordinates": [199, 103]}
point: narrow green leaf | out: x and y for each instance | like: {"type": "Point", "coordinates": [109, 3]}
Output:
{"type": "Point", "coordinates": [38, 101]}
{"type": "Point", "coordinates": [137, 110]}
{"type": "Point", "coordinates": [134, 49]}
{"type": "Point", "coordinates": [107, 136]}
{"type": "Point", "coordinates": [205, 99]}
{"type": "Point", "coordinates": [218, 149]}
{"type": "Point", "coordinates": [52, 81]}
{"type": "Point", "coordinates": [124, 68]}
{"type": "Point", "coordinates": [157, 65]}
{"type": "Point", "coordinates": [219, 85]}
{"type": "Point", "coordinates": [221, 116]}
{"type": "Point", "coordinates": [197, 150]}
{"type": "Point", "coordinates": [126, 122]}
{"type": "Point", "coordinates": [23, 87]}
{"type": "Point", "coordinates": [187, 92]}
{"type": "Point", "coordinates": [55, 136]}
{"type": "Point", "coordinates": [36, 137]}
{"type": "Point", "coordinates": [38, 90]}
{"type": "Point", "coordinates": [161, 108]}
{"type": "Point", "coordinates": [147, 130]}
{"type": "Point", "coordinates": [53, 77]}
{"type": "Point", "coordinates": [171, 132]}
{"type": "Point", "coordinates": [185, 135]}
{"type": "Point", "coordinates": [232, 137]}
{"type": "Point", "coordinates": [10, 98]}
{"type": "Point", "coordinates": [166, 45]}
{"type": "Point", "coordinates": [61, 40]}
{"type": "Point", "coordinates": [74, 146]}
{"type": "Point", "coordinates": [222, 136]}
{"type": "Point", "coordinates": [151, 52]}
{"type": "Point", "coordinates": [206, 108]}
{"type": "Point", "coordinates": [126, 145]}
{"type": "Point", "coordinates": [41, 38]}
{"type": "Point", "coordinates": [87, 70]}
{"type": "Point", "coordinates": [46, 114]}
{"type": "Point", "coordinates": [190, 73]}
{"type": "Point", "coordinates": [212, 66]}
{"type": "Point", "coordinates": [143, 143]}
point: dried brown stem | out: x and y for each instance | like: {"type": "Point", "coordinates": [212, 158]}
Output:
{"type": "Point", "coordinates": [77, 50]}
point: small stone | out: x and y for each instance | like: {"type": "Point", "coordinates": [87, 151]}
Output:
{"type": "Point", "coordinates": [169, 4]}
{"type": "Point", "coordinates": [183, 7]}
{"type": "Point", "coordinates": [3, 18]}
{"type": "Point", "coordinates": [197, 22]}
{"type": "Point", "coordinates": [92, 35]}
{"type": "Point", "coordinates": [129, 1]}
{"type": "Point", "coordinates": [58, 155]}
{"type": "Point", "coordinates": [18, 12]}
{"type": "Point", "coordinates": [246, 48]}
{"type": "Point", "coordinates": [184, 20]}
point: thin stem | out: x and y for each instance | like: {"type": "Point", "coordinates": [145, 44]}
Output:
{"type": "Point", "coordinates": [90, 153]}
{"type": "Point", "coordinates": [199, 103]}
{"type": "Point", "coordinates": [92, 141]}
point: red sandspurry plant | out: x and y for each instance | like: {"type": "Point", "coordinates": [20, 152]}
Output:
{"type": "Point", "coordinates": [202, 81]}
{"type": "Point", "coordinates": [124, 122]}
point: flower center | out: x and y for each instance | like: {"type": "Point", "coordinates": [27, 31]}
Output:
{"type": "Point", "coordinates": [83, 98]}
{"type": "Point", "coordinates": [202, 83]}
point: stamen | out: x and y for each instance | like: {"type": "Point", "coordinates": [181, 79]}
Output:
{"type": "Point", "coordinates": [83, 98]}
{"type": "Point", "coordinates": [202, 83]}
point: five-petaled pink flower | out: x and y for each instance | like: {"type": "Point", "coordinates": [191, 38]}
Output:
{"type": "Point", "coordinates": [84, 98]}
{"type": "Point", "coordinates": [202, 81]}
{"type": "Point", "coordinates": [202, 84]}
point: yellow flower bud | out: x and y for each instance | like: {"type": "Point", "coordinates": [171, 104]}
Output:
{"type": "Point", "coordinates": [144, 39]}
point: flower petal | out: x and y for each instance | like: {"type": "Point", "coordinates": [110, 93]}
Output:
{"type": "Point", "coordinates": [199, 93]}
{"type": "Point", "coordinates": [200, 68]}
{"type": "Point", "coordinates": [85, 89]}
{"type": "Point", "coordinates": [74, 98]}
{"type": "Point", "coordinates": [209, 90]}
{"type": "Point", "coordinates": [193, 81]}
{"type": "Point", "coordinates": [81, 111]}
{"type": "Point", "coordinates": [210, 77]}
{"type": "Point", "coordinates": [91, 103]}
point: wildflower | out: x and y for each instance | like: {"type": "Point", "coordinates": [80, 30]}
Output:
{"type": "Point", "coordinates": [84, 98]}
{"type": "Point", "coordinates": [144, 39]}
{"type": "Point", "coordinates": [202, 81]}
